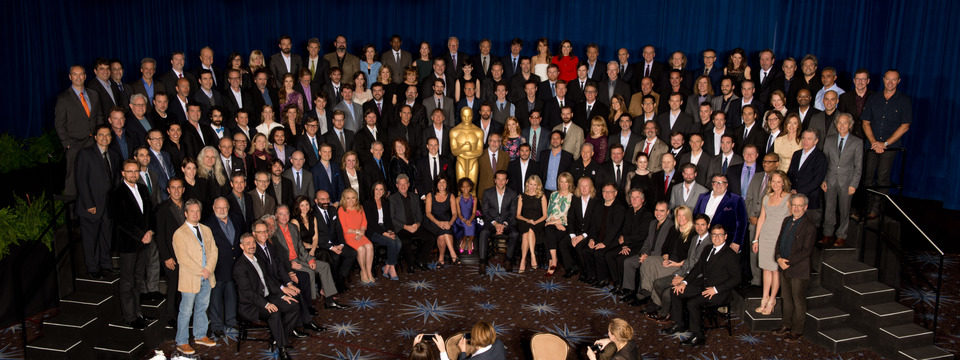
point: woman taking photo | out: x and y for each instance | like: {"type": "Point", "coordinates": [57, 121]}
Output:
{"type": "Point", "coordinates": [617, 345]}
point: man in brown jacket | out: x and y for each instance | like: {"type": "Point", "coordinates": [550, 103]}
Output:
{"type": "Point", "coordinates": [793, 250]}
{"type": "Point", "coordinates": [196, 252]}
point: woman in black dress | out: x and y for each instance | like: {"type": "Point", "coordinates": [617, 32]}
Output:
{"type": "Point", "coordinates": [641, 179]}
{"type": "Point", "coordinates": [441, 212]}
{"type": "Point", "coordinates": [304, 217]}
{"type": "Point", "coordinates": [173, 147]}
{"type": "Point", "coordinates": [195, 187]}
{"type": "Point", "coordinates": [531, 216]}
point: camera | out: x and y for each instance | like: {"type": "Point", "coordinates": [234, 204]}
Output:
{"type": "Point", "coordinates": [466, 336]}
{"type": "Point", "coordinates": [596, 348]}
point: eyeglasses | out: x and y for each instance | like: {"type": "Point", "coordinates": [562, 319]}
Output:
{"type": "Point", "coordinates": [770, 161]}
{"type": "Point", "coordinates": [718, 182]}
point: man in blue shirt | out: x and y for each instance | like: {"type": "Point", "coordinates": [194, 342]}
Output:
{"type": "Point", "coordinates": [886, 118]}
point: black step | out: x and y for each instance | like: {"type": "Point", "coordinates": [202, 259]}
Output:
{"type": "Point", "coordinates": [151, 335]}
{"type": "Point", "coordinates": [836, 274]}
{"type": "Point", "coordinates": [891, 339]}
{"type": "Point", "coordinates": [103, 305]}
{"type": "Point", "coordinates": [824, 318]}
{"type": "Point", "coordinates": [840, 340]}
{"type": "Point", "coordinates": [70, 323]}
{"type": "Point", "coordinates": [120, 348]}
{"type": "Point", "coordinates": [852, 297]}
{"type": "Point", "coordinates": [884, 314]}
{"type": "Point", "coordinates": [759, 322]}
{"type": "Point", "coordinates": [838, 254]}
{"type": "Point", "coordinates": [57, 347]}
{"type": "Point", "coordinates": [154, 309]}
{"type": "Point", "coordinates": [818, 297]}
{"type": "Point", "coordinates": [928, 352]}
{"type": "Point", "coordinates": [106, 285]}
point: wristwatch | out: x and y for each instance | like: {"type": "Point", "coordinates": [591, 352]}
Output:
{"type": "Point", "coordinates": [885, 144]}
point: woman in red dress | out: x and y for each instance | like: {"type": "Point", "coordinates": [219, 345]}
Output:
{"type": "Point", "coordinates": [566, 61]}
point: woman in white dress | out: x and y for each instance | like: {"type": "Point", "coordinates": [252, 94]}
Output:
{"type": "Point", "coordinates": [541, 60]}
{"type": "Point", "coordinates": [776, 207]}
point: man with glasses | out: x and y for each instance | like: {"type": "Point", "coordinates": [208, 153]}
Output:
{"type": "Point", "coordinates": [725, 209]}
{"type": "Point", "coordinates": [793, 251]}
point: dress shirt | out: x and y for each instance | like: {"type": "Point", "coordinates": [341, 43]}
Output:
{"type": "Point", "coordinates": [803, 157]}
{"type": "Point", "coordinates": [136, 194]}
{"type": "Point", "coordinates": [553, 167]}
{"type": "Point", "coordinates": [253, 260]}
{"type": "Point", "coordinates": [624, 139]}
{"type": "Point", "coordinates": [713, 203]}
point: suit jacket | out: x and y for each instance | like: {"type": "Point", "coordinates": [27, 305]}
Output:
{"type": "Point", "coordinates": [493, 127]}
{"type": "Point", "coordinates": [582, 118]}
{"type": "Point", "coordinates": [543, 140]}
{"type": "Point", "coordinates": [773, 81]}
{"type": "Point", "coordinates": [523, 114]}
{"type": "Point", "coordinates": [429, 132]}
{"type": "Point", "coordinates": [708, 142]}
{"type": "Point", "coordinates": [722, 271]}
{"type": "Point", "coordinates": [351, 64]}
{"type": "Point", "coordinates": [162, 176]}
{"type": "Point", "coordinates": [353, 119]}
{"type": "Point", "coordinates": [497, 351]}
{"type": "Point", "coordinates": [508, 69]}
{"type": "Point", "coordinates": [430, 103]}
{"type": "Point", "coordinates": [396, 67]}
{"type": "Point", "coordinates": [691, 105]}
{"type": "Point", "coordinates": [607, 175]}
{"type": "Point", "coordinates": [243, 214]}
{"type": "Point", "coordinates": [843, 167]}
{"type": "Point", "coordinates": [620, 87]}
{"type": "Point", "coordinates": [486, 173]}
{"type": "Point", "coordinates": [191, 141]}
{"type": "Point", "coordinates": [189, 257]}
{"type": "Point", "coordinates": [94, 181]}
{"type": "Point", "coordinates": [168, 83]}
{"type": "Point", "coordinates": [155, 190]}
{"type": "Point", "coordinates": [231, 106]}
{"type": "Point", "coordinates": [424, 179]}
{"type": "Point", "coordinates": [735, 182]}
{"type": "Point", "coordinates": [715, 75]}
{"type": "Point", "coordinates": [573, 139]}
{"type": "Point", "coordinates": [566, 160]}
{"type": "Point", "coordinates": [136, 129]}
{"type": "Point", "coordinates": [544, 91]}
{"type": "Point", "coordinates": [848, 104]}
{"type": "Point", "coordinates": [250, 288]}
{"type": "Point", "coordinates": [333, 185]}
{"type": "Point", "coordinates": [676, 196]}
{"type": "Point", "coordinates": [74, 127]}
{"type": "Point", "coordinates": [800, 250]}
{"type": "Point", "coordinates": [137, 87]}
{"type": "Point", "coordinates": [106, 102]}
{"type": "Point", "coordinates": [515, 180]}
{"type": "Point", "coordinates": [286, 188]}
{"type": "Point", "coordinates": [328, 230]}
{"type": "Point", "coordinates": [333, 94]}
{"type": "Point", "coordinates": [207, 102]}
{"type": "Point", "coordinates": [659, 178]}
{"type": "Point", "coordinates": [280, 243]}
{"type": "Point", "coordinates": [716, 164]}
{"type": "Point", "coordinates": [807, 180]}
{"type": "Point", "coordinates": [268, 206]}
{"type": "Point", "coordinates": [575, 91]}
{"type": "Point", "coordinates": [462, 104]}
{"type": "Point", "coordinates": [279, 68]}
{"type": "Point", "coordinates": [657, 237]}
{"type": "Point", "coordinates": [131, 223]}
{"type": "Point", "coordinates": [306, 183]}
{"type": "Point", "coordinates": [757, 136]}
{"type": "Point", "coordinates": [805, 119]}
{"type": "Point", "coordinates": [734, 119]}
{"type": "Point", "coordinates": [131, 144]}
{"type": "Point", "coordinates": [819, 123]}
{"type": "Point", "coordinates": [582, 221]}
{"type": "Point", "coordinates": [551, 111]}
{"type": "Point", "coordinates": [385, 112]}
{"type": "Point", "coordinates": [364, 140]}
{"type": "Point", "coordinates": [331, 138]}
{"type": "Point", "coordinates": [658, 72]}
{"type": "Point", "coordinates": [629, 149]}
{"type": "Point", "coordinates": [273, 262]}
{"type": "Point", "coordinates": [315, 87]}
{"type": "Point", "coordinates": [506, 213]}
{"type": "Point", "coordinates": [703, 165]}
{"type": "Point", "coordinates": [228, 248]}
{"type": "Point", "coordinates": [685, 124]}
{"type": "Point", "coordinates": [599, 69]}
{"type": "Point", "coordinates": [731, 214]}
{"type": "Point", "coordinates": [454, 71]}
{"type": "Point", "coordinates": [654, 155]}
{"type": "Point", "coordinates": [303, 144]}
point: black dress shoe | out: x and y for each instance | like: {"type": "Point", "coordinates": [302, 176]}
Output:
{"type": "Point", "coordinates": [108, 272]}
{"type": "Point", "coordinates": [411, 269]}
{"type": "Point", "coordinates": [147, 319]}
{"type": "Point", "coordinates": [672, 330]}
{"type": "Point", "coordinates": [783, 330]}
{"type": "Point", "coordinates": [570, 273]}
{"type": "Point", "coordinates": [335, 305]}
{"type": "Point", "coordinates": [313, 326]}
{"type": "Point", "coordinates": [313, 311]}
{"type": "Point", "coordinates": [298, 334]}
{"type": "Point", "coordinates": [218, 334]}
{"type": "Point", "coordinates": [695, 340]}
{"type": "Point", "coordinates": [172, 323]}
{"type": "Point", "coordinates": [283, 355]}
{"type": "Point", "coordinates": [138, 324]}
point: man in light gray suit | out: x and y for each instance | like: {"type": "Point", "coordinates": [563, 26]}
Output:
{"type": "Point", "coordinates": [301, 178]}
{"type": "Point", "coordinates": [754, 201]}
{"type": "Point", "coordinates": [396, 59]}
{"type": "Point", "coordinates": [844, 153]}
{"type": "Point", "coordinates": [263, 203]}
{"type": "Point", "coordinates": [353, 113]}
{"type": "Point", "coordinates": [445, 103]}
{"type": "Point", "coordinates": [689, 191]}
{"type": "Point", "coordinates": [573, 134]}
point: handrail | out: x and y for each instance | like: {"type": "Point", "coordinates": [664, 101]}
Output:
{"type": "Point", "coordinates": [912, 223]}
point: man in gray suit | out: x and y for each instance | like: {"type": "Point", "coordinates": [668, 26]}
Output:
{"type": "Point", "coordinates": [439, 101]}
{"type": "Point", "coordinates": [396, 59]}
{"type": "Point", "coordinates": [754, 201]}
{"type": "Point", "coordinates": [301, 178]}
{"type": "Point", "coordinates": [573, 134]}
{"type": "Point", "coordinates": [649, 270]}
{"type": "Point", "coordinates": [353, 113]}
{"type": "Point", "coordinates": [844, 153]}
{"type": "Point", "coordinates": [263, 203]}
{"type": "Point", "coordinates": [689, 191]}
{"type": "Point", "coordinates": [76, 113]}
{"type": "Point", "coordinates": [284, 62]}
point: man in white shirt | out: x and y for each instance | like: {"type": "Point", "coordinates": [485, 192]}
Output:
{"type": "Point", "coordinates": [132, 210]}
{"type": "Point", "coordinates": [521, 169]}
{"type": "Point", "coordinates": [689, 191]}
{"type": "Point", "coordinates": [829, 78]}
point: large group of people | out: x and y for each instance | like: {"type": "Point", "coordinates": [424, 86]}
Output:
{"type": "Point", "coordinates": [258, 186]}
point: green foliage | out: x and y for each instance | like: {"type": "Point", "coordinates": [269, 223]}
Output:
{"type": "Point", "coordinates": [16, 154]}
{"type": "Point", "coordinates": [27, 220]}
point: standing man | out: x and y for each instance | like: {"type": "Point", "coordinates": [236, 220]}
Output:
{"type": "Point", "coordinates": [808, 167]}
{"type": "Point", "coordinates": [226, 230]}
{"type": "Point", "coordinates": [285, 62]}
{"type": "Point", "coordinates": [885, 119]}
{"type": "Point", "coordinates": [844, 165]}
{"type": "Point", "coordinates": [196, 253]}
{"type": "Point", "coordinates": [793, 251]}
{"type": "Point", "coordinates": [76, 114]}
{"type": "Point", "coordinates": [348, 63]}
{"type": "Point", "coordinates": [133, 212]}
{"type": "Point", "coordinates": [98, 167]}
{"type": "Point", "coordinates": [170, 216]}
{"type": "Point", "coordinates": [396, 59]}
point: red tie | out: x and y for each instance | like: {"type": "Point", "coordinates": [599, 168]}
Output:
{"type": "Point", "coordinates": [179, 76]}
{"type": "Point", "coordinates": [666, 183]}
{"type": "Point", "coordinates": [646, 149]}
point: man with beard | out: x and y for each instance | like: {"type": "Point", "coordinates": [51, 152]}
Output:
{"type": "Point", "coordinates": [284, 62]}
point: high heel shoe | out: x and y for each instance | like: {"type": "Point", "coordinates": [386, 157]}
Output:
{"type": "Point", "coordinates": [551, 270]}
{"type": "Point", "coordinates": [763, 305]}
{"type": "Point", "coordinates": [770, 305]}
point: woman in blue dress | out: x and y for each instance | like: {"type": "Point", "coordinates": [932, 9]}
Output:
{"type": "Point", "coordinates": [467, 217]}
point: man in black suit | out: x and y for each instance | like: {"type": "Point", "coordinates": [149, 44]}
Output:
{"type": "Point", "coordinates": [652, 68]}
{"type": "Point", "coordinates": [241, 202]}
{"type": "Point", "coordinates": [537, 135]}
{"type": "Point", "coordinates": [666, 178]}
{"type": "Point", "coordinates": [407, 217]}
{"type": "Point", "coordinates": [469, 100]}
{"type": "Point", "coordinates": [101, 85]}
{"type": "Point", "coordinates": [369, 132]}
{"type": "Point", "coordinates": [793, 252]}
{"type": "Point", "coordinates": [440, 131]}
{"type": "Point", "coordinates": [280, 187]}
{"type": "Point", "coordinates": [616, 170]}
{"type": "Point", "coordinates": [431, 166]}
{"type": "Point", "coordinates": [721, 163]}
{"type": "Point", "coordinates": [519, 80]}
{"type": "Point", "coordinates": [261, 297]}
{"type": "Point", "coordinates": [454, 58]}
{"type": "Point", "coordinates": [123, 141]}
{"type": "Point", "coordinates": [521, 169]}
{"type": "Point", "coordinates": [178, 101]}
{"type": "Point", "coordinates": [581, 222]}
{"type": "Point", "coordinates": [206, 63]}
{"type": "Point", "coordinates": [613, 85]}
{"type": "Point", "coordinates": [223, 298]}
{"type": "Point", "coordinates": [751, 132]}
{"type": "Point", "coordinates": [332, 87]}
{"type": "Point", "coordinates": [338, 138]}
{"type": "Point", "coordinates": [589, 107]}
{"type": "Point", "coordinates": [231, 162]}
{"type": "Point", "coordinates": [121, 92]}
{"type": "Point", "coordinates": [768, 77]}
{"type": "Point", "coordinates": [808, 168]}
{"type": "Point", "coordinates": [380, 105]}
{"type": "Point", "coordinates": [713, 134]}
{"type": "Point", "coordinates": [527, 104]}
{"type": "Point", "coordinates": [483, 62]}
{"type": "Point", "coordinates": [740, 176]}
{"type": "Point", "coordinates": [284, 62]}
{"type": "Point", "coordinates": [405, 129]}
{"type": "Point", "coordinates": [208, 96]}
{"type": "Point", "coordinates": [196, 136]}
{"type": "Point", "coordinates": [697, 156]}
{"type": "Point", "coordinates": [169, 81]}
{"type": "Point", "coordinates": [625, 137]}
{"type": "Point", "coordinates": [547, 89]}
{"type": "Point", "coordinates": [330, 246]}
{"type": "Point", "coordinates": [554, 161]}
{"type": "Point", "coordinates": [552, 106]}
{"type": "Point", "coordinates": [709, 283]}
{"type": "Point", "coordinates": [375, 166]}
{"type": "Point", "coordinates": [576, 86]}
{"type": "Point", "coordinates": [132, 210]}
{"type": "Point", "coordinates": [511, 62]}
{"type": "Point", "coordinates": [710, 69]}
{"type": "Point", "coordinates": [98, 168]}
{"type": "Point", "coordinates": [734, 117]}
{"type": "Point", "coordinates": [273, 264]}
{"type": "Point", "coordinates": [309, 141]}
{"type": "Point", "coordinates": [627, 71]}
{"type": "Point", "coordinates": [487, 124]}
{"type": "Point", "coordinates": [263, 94]}
{"type": "Point", "coordinates": [139, 123]}
{"type": "Point", "coordinates": [499, 209]}
{"type": "Point", "coordinates": [676, 119]}
{"type": "Point", "coordinates": [76, 113]}
{"type": "Point", "coordinates": [595, 70]}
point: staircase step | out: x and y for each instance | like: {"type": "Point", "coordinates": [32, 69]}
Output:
{"type": "Point", "coordinates": [852, 297]}
{"type": "Point", "coordinates": [838, 254]}
{"type": "Point", "coordinates": [57, 347]}
{"type": "Point", "coordinates": [928, 352]}
{"type": "Point", "coordinates": [837, 273]}
{"type": "Point", "coordinates": [818, 297]}
{"type": "Point", "coordinates": [824, 318]}
{"type": "Point", "coordinates": [152, 335]}
{"type": "Point", "coordinates": [120, 348]}
{"type": "Point", "coordinates": [153, 308]}
{"type": "Point", "coordinates": [841, 339]}
{"type": "Point", "coordinates": [891, 339]}
{"type": "Point", "coordinates": [107, 285]}
{"type": "Point", "coordinates": [92, 302]}
{"type": "Point", "coordinates": [759, 322]}
{"type": "Point", "coordinates": [884, 314]}
{"type": "Point", "coordinates": [69, 323]}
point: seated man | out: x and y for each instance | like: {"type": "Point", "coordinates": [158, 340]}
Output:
{"type": "Point", "coordinates": [604, 239]}
{"type": "Point", "coordinates": [262, 298]}
{"type": "Point", "coordinates": [407, 217]}
{"type": "Point", "coordinates": [287, 240]}
{"type": "Point", "coordinates": [663, 285]}
{"type": "Point", "coordinates": [330, 246]}
{"type": "Point", "coordinates": [657, 233]}
{"type": "Point", "coordinates": [499, 208]}
{"type": "Point", "coordinates": [580, 226]}
{"type": "Point", "coordinates": [709, 283]}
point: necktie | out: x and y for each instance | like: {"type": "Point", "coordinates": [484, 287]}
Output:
{"type": "Point", "coordinates": [439, 104]}
{"type": "Point", "coordinates": [723, 167]}
{"type": "Point", "coordinates": [120, 86]}
{"type": "Point", "coordinates": [484, 64]}
{"type": "Point", "coordinates": [343, 143]}
{"type": "Point", "coordinates": [86, 107]}
{"type": "Point", "coordinates": [712, 252]}
{"type": "Point", "coordinates": [501, 106]}
{"type": "Point", "coordinates": [106, 163]}
{"type": "Point", "coordinates": [313, 142]}
{"type": "Point", "coordinates": [565, 130]}
{"type": "Point", "coordinates": [763, 76]}
{"type": "Point", "coordinates": [396, 56]}
{"type": "Point", "coordinates": [313, 68]}
{"type": "Point", "coordinates": [514, 64]}
{"type": "Point", "coordinates": [324, 213]}
{"type": "Point", "coordinates": [745, 183]}
{"type": "Point", "coordinates": [763, 184]}
{"type": "Point", "coordinates": [623, 68]}
{"type": "Point", "coordinates": [493, 162]}
{"type": "Point", "coordinates": [379, 108]}
{"type": "Point", "coordinates": [146, 180]}
{"type": "Point", "coordinates": [454, 58]}
{"type": "Point", "coordinates": [699, 240]}
{"type": "Point", "coordinates": [618, 174]}
{"type": "Point", "coordinates": [706, 72]}
{"type": "Point", "coordinates": [666, 183]}
{"type": "Point", "coordinates": [746, 131]}
{"type": "Point", "coordinates": [646, 72]}
{"type": "Point", "coordinates": [561, 103]}
{"type": "Point", "coordinates": [770, 143]}
{"type": "Point", "coordinates": [589, 107]}
{"type": "Point", "coordinates": [229, 168]}
{"type": "Point", "coordinates": [582, 85]}
{"type": "Point", "coordinates": [203, 251]}
{"type": "Point", "coordinates": [436, 168]}
{"type": "Point", "coordinates": [841, 144]}
{"type": "Point", "coordinates": [382, 171]}
{"type": "Point", "coordinates": [646, 149]}
{"type": "Point", "coordinates": [553, 89]}
{"type": "Point", "coordinates": [180, 76]}
{"type": "Point", "coordinates": [533, 140]}
{"type": "Point", "coordinates": [298, 180]}
{"type": "Point", "coordinates": [262, 201]}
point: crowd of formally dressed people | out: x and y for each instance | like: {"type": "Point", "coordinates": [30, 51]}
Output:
{"type": "Point", "coordinates": [259, 186]}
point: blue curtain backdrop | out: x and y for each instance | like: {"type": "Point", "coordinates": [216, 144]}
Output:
{"type": "Point", "coordinates": [41, 38]}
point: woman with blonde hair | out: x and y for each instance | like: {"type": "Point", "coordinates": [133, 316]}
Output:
{"type": "Point", "coordinates": [775, 208]}
{"type": "Point", "coordinates": [555, 227]}
{"type": "Point", "coordinates": [531, 214]}
{"type": "Point", "coordinates": [598, 138]}
{"type": "Point", "coordinates": [210, 167]}
{"type": "Point", "coordinates": [619, 334]}
{"type": "Point", "coordinates": [353, 223]}
{"type": "Point", "coordinates": [483, 338]}
{"type": "Point", "coordinates": [255, 61]}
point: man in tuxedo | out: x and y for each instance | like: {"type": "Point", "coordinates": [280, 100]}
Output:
{"type": "Point", "coordinates": [223, 298]}
{"type": "Point", "coordinates": [440, 131]}
{"type": "Point", "coordinates": [677, 147]}
{"type": "Point", "coordinates": [698, 157]}
{"type": "Point", "coordinates": [196, 253]}
{"type": "Point", "coordinates": [735, 110]}
{"type": "Point", "coordinates": [537, 136]}
{"type": "Point", "coordinates": [285, 62]}
{"type": "Point", "coordinates": [439, 101]}
{"type": "Point", "coordinates": [262, 298]}
{"type": "Point", "coordinates": [710, 69]}
{"type": "Point", "coordinates": [396, 59]}
{"type": "Point", "coordinates": [768, 77]}
{"type": "Point", "coordinates": [97, 170]}
{"type": "Point", "coordinates": [652, 145]}
{"type": "Point", "coordinates": [808, 168]}
{"type": "Point", "coordinates": [317, 65]}
{"type": "Point", "coordinates": [469, 100]}
{"type": "Point", "coordinates": [554, 161]}
{"type": "Point", "coordinates": [431, 167]}
{"type": "Point", "coordinates": [676, 119]}
{"type": "Point", "coordinates": [499, 209]}
{"type": "Point", "coordinates": [146, 85]}
{"type": "Point", "coordinates": [666, 177]}
{"type": "Point", "coordinates": [842, 179]}
{"type": "Point", "coordinates": [196, 136]}
{"type": "Point", "coordinates": [339, 139]}
{"type": "Point", "coordinates": [576, 86]}
{"type": "Point", "coordinates": [721, 163]}
{"type": "Point", "coordinates": [651, 68]}
{"type": "Point", "coordinates": [528, 104]}
{"type": "Point", "coordinates": [300, 177]}
{"type": "Point", "coordinates": [493, 160]}
{"type": "Point", "coordinates": [483, 61]}
{"type": "Point", "coordinates": [102, 86]}
{"type": "Point", "coordinates": [407, 217]}
{"type": "Point", "coordinates": [589, 107]}
{"type": "Point", "coordinates": [330, 245]}
{"type": "Point", "coordinates": [170, 80]}
{"type": "Point", "coordinates": [520, 169]}
{"type": "Point", "coordinates": [581, 225]}
{"type": "Point", "coordinates": [616, 170]}
{"type": "Point", "coordinates": [750, 132]}
{"type": "Point", "coordinates": [132, 210]}
{"type": "Point", "coordinates": [511, 62]}
{"type": "Point", "coordinates": [177, 107]}
{"type": "Point", "coordinates": [552, 106]}
{"type": "Point", "coordinates": [263, 203]}
{"type": "Point", "coordinates": [613, 85]}
{"type": "Point", "coordinates": [333, 87]}
{"type": "Point", "coordinates": [688, 191]}
{"type": "Point", "coordinates": [709, 283]}
{"type": "Point", "coordinates": [454, 58]}
{"type": "Point", "coordinates": [793, 253]}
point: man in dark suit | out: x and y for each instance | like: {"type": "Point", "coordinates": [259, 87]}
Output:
{"type": "Point", "coordinates": [721, 163]}
{"type": "Point", "coordinates": [76, 113]}
{"type": "Point", "coordinates": [750, 132]}
{"type": "Point", "coordinates": [735, 110]}
{"type": "Point", "coordinates": [123, 141]}
{"type": "Point", "coordinates": [206, 63]}
{"type": "Point", "coordinates": [709, 283]}
{"type": "Point", "coordinates": [120, 91]}
{"type": "Point", "coordinates": [169, 217]}
{"type": "Point", "coordinates": [101, 85]}
{"type": "Point", "coordinates": [326, 174]}
{"type": "Point", "coordinates": [499, 209]}
{"type": "Point", "coordinates": [740, 176]}
{"type": "Point", "coordinates": [519, 81]}
{"type": "Point", "coordinates": [263, 94]}
{"type": "Point", "coordinates": [98, 169]}
{"type": "Point", "coordinates": [331, 247]}
{"type": "Point", "coordinates": [454, 58]}
{"type": "Point", "coordinates": [698, 157]}
{"type": "Point", "coordinates": [208, 96]}
{"type": "Point", "coordinates": [148, 68]}
{"type": "Point", "coordinates": [726, 209]}
{"type": "Point", "coordinates": [521, 169]}
{"type": "Point", "coordinates": [793, 252]}
{"type": "Point", "coordinates": [273, 263]}
{"type": "Point", "coordinates": [339, 139]}
{"type": "Point", "coordinates": [511, 62]}
{"type": "Point", "coordinates": [487, 124]}
{"type": "Point", "coordinates": [284, 62]}
{"type": "Point", "coordinates": [616, 170]}
{"type": "Point", "coordinates": [652, 68]}
{"type": "Point", "coordinates": [263, 203]}
{"type": "Point", "coordinates": [160, 162]}
{"type": "Point", "coordinates": [469, 100]}
{"type": "Point", "coordinates": [396, 59]}
{"type": "Point", "coordinates": [627, 71]}
{"type": "Point", "coordinates": [138, 123]}
{"type": "Point", "coordinates": [482, 62]}
{"type": "Point", "coordinates": [676, 119]}
{"type": "Point", "coordinates": [767, 76]}
{"type": "Point", "coordinates": [576, 86]}
{"type": "Point", "coordinates": [318, 66]}
{"type": "Point", "coordinates": [625, 137]}
{"type": "Point", "coordinates": [613, 85]}
{"type": "Point", "coordinates": [132, 210]}
{"type": "Point", "coordinates": [666, 178]}
{"type": "Point", "coordinates": [241, 203]}
{"type": "Point", "coordinates": [375, 167]}
{"type": "Point", "coordinates": [552, 106]}
{"type": "Point", "coordinates": [280, 187]}
{"type": "Point", "coordinates": [595, 69]}
{"type": "Point", "coordinates": [547, 88]}
{"type": "Point", "coordinates": [307, 88]}
{"type": "Point", "coordinates": [380, 105]}
{"type": "Point", "coordinates": [178, 101]}
{"type": "Point", "coordinates": [537, 134]}
{"type": "Point", "coordinates": [261, 297]}
{"type": "Point", "coordinates": [405, 129]}
{"type": "Point", "coordinates": [554, 161]}
{"type": "Point", "coordinates": [493, 160]}
{"type": "Point", "coordinates": [432, 166]}
{"type": "Point", "coordinates": [196, 136]}
{"type": "Point", "coordinates": [369, 132]}
{"type": "Point", "coordinates": [808, 168]}
{"type": "Point", "coordinates": [853, 102]}
{"type": "Point", "coordinates": [147, 178]}
{"type": "Point", "coordinates": [309, 141]}
{"type": "Point", "coordinates": [332, 87]}
{"type": "Point", "coordinates": [439, 73]}
{"type": "Point", "coordinates": [527, 104]}
{"type": "Point", "coordinates": [711, 69]}
{"type": "Point", "coordinates": [581, 224]}
{"type": "Point", "coordinates": [177, 72]}
{"type": "Point", "coordinates": [440, 131]}
{"type": "Point", "coordinates": [223, 298]}
{"type": "Point", "coordinates": [589, 107]}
